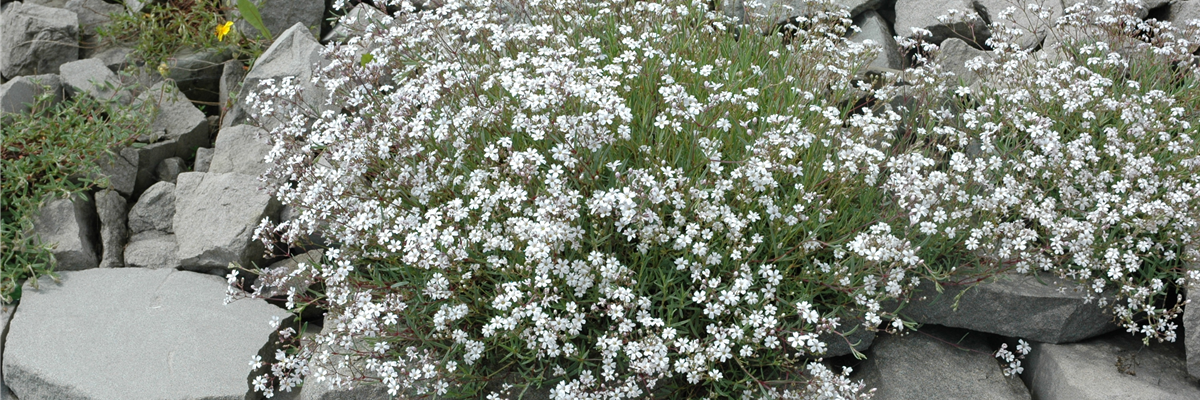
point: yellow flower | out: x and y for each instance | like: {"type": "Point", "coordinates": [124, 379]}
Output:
{"type": "Point", "coordinates": [164, 70]}
{"type": "Point", "coordinates": [223, 30]}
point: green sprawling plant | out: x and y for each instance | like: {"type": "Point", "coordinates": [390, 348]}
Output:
{"type": "Point", "coordinates": [49, 153]}
{"type": "Point", "coordinates": [174, 25]}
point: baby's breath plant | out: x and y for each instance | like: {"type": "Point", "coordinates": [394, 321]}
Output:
{"type": "Point", "coordinates": [48, 153]}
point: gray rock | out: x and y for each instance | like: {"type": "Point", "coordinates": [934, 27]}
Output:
{"type": "Point", "coordinates": [133, 333]}
{"type": "Point", "coordinates": [839, 345]}
{"type": "Point", "coordinates": [6, 313]}
{"type": "Point", "coordinates": [69, 225]}
{"type": "Point", "coordinates": [204, 156]}
{"type": "Point", "coordinates": [120, 172]}
{"type": "Point", "coordinates": [936, 363]}
{"type": "Point", "coordinates": [152, 249]}
{"type": "Point", "coordinates": [137, 6]}
{"type": "Point", "coordinates": [176, 119]}
{"type": "Point", "coordinates": [241, 149]}
{"type": "Point", "coordinates": [296, 54]}
{"type": "Point", "coordinates": [17, 95]}
{"type": "Point", "coordinates": [197, 73]}
{"type": "Point", "coordinates": [154, 210]}
{"type": "Point", "coordinates": [92, 77]}
{"type": "Point", "coordinates": [314, 390]}
{"type": "Point", "coordinates": [92, 13]}
{"type": "Point", "coordinates": [215, 219]}
{"type": "Point", "coordinates": [111, 209]}
{"type": "Point", "coordinates": [1114, 366]}
{"type": "Point", "coordinates": [37, 39]}
{"type": "Point", "coordinates": [1034, 27]}
{"type": "Point", "coordinates": [284, 268]}
{"type": "Point", "coordinates": [279, 15]}
{"type": "Point", "coordinates": [924, 14]}
{"type": "Point", "coordinates": [355, 22]}
{"type": "Point", "coordinates": [779, 11]}
{"type": "Point", "coordinates": [1191, 322]}
{"type": "Point", "coordinates": [115, 58]}
{"type": "Point", "coordinates": [1141, 8]}
{"type": "Point", "coordinates": [874, 28]}
{"type": "Point", "coordinates": [233, 71]}
{"type": "Point", "coordinates": [1183, 12]}
{"type": "Point", "coordinates": [146, 158]}
{"type": "Point", "coordinates": [169, 169]}
{"type": "Point", "coordinates": [1014, 306]}
{"type": "Point", "coordinates": [956, 54]}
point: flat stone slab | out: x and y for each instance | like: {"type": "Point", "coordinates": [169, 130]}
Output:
{"type": "Point", "coordinates": [1114, 366]}
{"type": "Point", "coordinates": [936, 363]}
{"type": "Point", "coordinates": [132, 333]}
{"type": "Point", "coordinates": [1015, 306]}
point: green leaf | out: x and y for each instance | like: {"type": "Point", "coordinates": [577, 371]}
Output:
{"type": "Point", "coordinates": [250, 13]}
{"type": "Point", "coordinates": [366, 58]}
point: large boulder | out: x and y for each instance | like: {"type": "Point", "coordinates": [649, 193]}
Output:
{"type": "Point", "coordinates": [1115, 366]}
{"type": "Point", "coordinates": [967, 24]}
{"type": "Point", "coordinates": [152, 249]}
{"type": "Point", "coordinates": [1015, 306]}
{"type": "Point", "coordinates": [133, 333]}
{"type": "Point", "coordinates": [874, 28]}
{"type": "Point", "coordinates": [111, 209]}
{"type": "Point", "coordinates": [69, 226]}
{"type": "Point", "coordinates": [155, 210]}
{"type": "Point", "coordinates": [936, 363]}
{"type": "Point", "coordinates": [90, 76]}
{"type": "Point", "coordinates": [295, 54]}
{"type": "Point", "coordinates": [215, 219]}
{"type": "Point", "coordinates": [37, 39]}
{"type": "Point", "coordinates": [241, 149]}
{"type": "Point", "coordinates": [17, 95]}
{"type": "Point", "coordinates": [279, 15]}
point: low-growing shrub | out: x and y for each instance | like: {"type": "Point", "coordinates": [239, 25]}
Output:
{"type": "Point", "coordinates": [616, 199]}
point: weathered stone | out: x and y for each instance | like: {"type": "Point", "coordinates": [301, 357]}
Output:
{"type": "Point", "coordinates": [111, 209]}
{"type": "Point", "coordinates": [6, 313]}
{"type": "Point", "coordinates": [17, 95]}
{"type": "Point", "coordinates": [1044, 313]}
{"type": "Point", "coordinates": [296, 54]}
{"type": "Point", "coordinates": [241, 149]}
{"type": "Point", "coordinates": [133, 333]}
{"type": "Point", "coordinates": [355, 22]}
{"type": "Point", "coordinates": [175, 119]}
{"type": "Point", "coordinates": [1034, 28]}
{"type": "Point", "coordinates": [968, 25]}
{"type": "Point", "coordinates": [204, 156]}
{"type": "Point", "coordinates": [137, 6]}
{"type": "Point", "coordinates": [69, 225]}
{"type": "Point", "coordinates": [146, 158]}
{"type": "Point", "coordinates": [874, 28]}
{"type": "Point", "coordinates": [152, 249]}
{"type": "Point", "coordinates": [197, 73]}
{"type": "Point", "coordinates": [932, 364]}
{"type": "Point", "coordinates": [1114, 366]}
{"type": "Point", "coordinates": [120, 172]}
{"type": "Point", "coordinates": [115, 58]}
{"type": "Point", "coordinates": [215, 219]}
{"type": "Point", "coordinates": [154, 210]}
{"type": "Point", "coordinates": [279, 15]}
{"type": "Point", "coordinates": [1191, 318]}
{"type": "Point", "coordinates": [37, 39]}
{"type": "Point", "coordinates": [169, 169]}
{"type": "Point", "coordinates": [314, 390]}
{"type": "Point", "coordinates": [233, 71]}
{"type": "Point", "coordinates": [779, 11]}
{"type": "Point", "coordinates": [1183, 12]}
{"type": "Point", "coordinates": [1141, 8]}
{"type": "Point", "coordinates": [839, 345]}
{"type": "Point", "coordinates": [285, 268]}
{"type": "Point", "coordinates": [92, 77]}
{"type": "Point", "coordinates": [92, 13]}
{"type": "Point", "coordinates": [956, 55]}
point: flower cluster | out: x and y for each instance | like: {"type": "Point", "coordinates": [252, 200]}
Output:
{"type": "Point", "coordinates": [1012, 361]}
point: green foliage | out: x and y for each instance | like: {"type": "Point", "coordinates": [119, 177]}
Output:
{"type": "Point", "coordinates": [250, 14]}
{"type": "Point", "coordinates": [175, 25]}
{"type": "Point", "coordinates": [50, 153]}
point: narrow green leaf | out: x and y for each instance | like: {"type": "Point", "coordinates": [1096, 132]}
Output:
{"type": "Point", "coordinates": [250, 13]}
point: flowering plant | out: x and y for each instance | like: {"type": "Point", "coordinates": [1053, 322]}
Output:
{"type": "Point", "coordinates": [624, 199]}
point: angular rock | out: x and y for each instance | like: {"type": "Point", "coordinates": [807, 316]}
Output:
{"type": "Point", "coordinates": [314, 390]}
{"type": "Point", "coordinates": [215, 219]}
{"type": "Point", "coordinates": [111, 209]}
{"type": "Point", "coordinates": [92, 13]}
{"type": "Point", "coordinates": [924, 14]}
{"type": "Point", "coordinates": [116, 58]}
{"type": "Point", "coordinates": [197, 73]}
{"type": "Point", "coordinates": [154, 210]}
{"type": "Point", "coordinates": [121, 173]}
{"type": "Point", "coordinates": [956, 56]}
{"type": "Point", "coordinates": [1141, 8]}
{"type": "Point", "coordinates": [295, 53]}
{"type": "Point", "coordinates": [146, 158]}
{"type": "Point", "coordinates": [92, 77]}
{"type": "Point", "coordinates": [1034, 27]}
{"type": "Point", "coordinates": [839, 345]}
{"type": "Point", "coordinates": [932, 364]}
{"type": "Point", "coordinates": [779, 11]}
{"type": "Point", "coordinates": [152, 249]}
{"type": "Point", "coordinates": [1184, 12]}
{"type": "Point", "coordinates": [1191, 320]}
{"type": "Point", "coordinates": [285, 268]}
{"type": "Point", "coordinates": [37, 39]}
{"type": "Point", "coordinates": [279, 15]}
{"type": "Point", "coordinates": [169, 169]}
{"type": "Point", "coordinates": [17, 95]}
{"type": "Point", "coordinates": [137, 6]}
{"type": "Point", "coordinates": [874, 28]}
{"type": "Point", "coordinates": [6, 313]}
{"type": "Point", "coordinates": [1114, 366]}
{"type": "Point", "coordinates": [132, 333]}
{"type": "Point", "coordinates": [241, 149]}
{"type": "Point", "coordinates": [355, 22]}
{"type": "Point", "coordinates": [176, 119]}
{"type": "Point", "coordinates": [232, 73]}
{"type": "Point", "coordinates": [69, 225]}
{"type": "Point", "coordinates": [1015, 306]}
{"type": "Point", "coordinates": [204, 156]}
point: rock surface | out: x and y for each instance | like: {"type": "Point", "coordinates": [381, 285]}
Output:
{"type": "Point", "coordinates": [155, 210]}
{"type": "Point", "coordinates": [111, 209]}
{"type": "Point", "coordinates": [241, 149]}
{"type": "Point", "coordinates": [279, 15]}
{"type": "Point", "coordinates": [69, 225]}
{"type": "Point", "coordinates": [924, 14]}
{"type": "Point", "coordinates": [215, 218]}
{"type": "Point", "coordinates": [37, 39]}
{"type": "Point", "coordinates": [152, 249]}
{"type": "Point", "coordinates": [874, 28]}
{"type": "Point", "coordinates": [1014, 306]}
{"type": "Point", "coordinates": [6, 313]}
{"type": "Point", "coordinates": [134, 333]}
{"type": "Point", "coordinates": [1115, 366]}
{"type": "Point", "coordinates": [958, 57]}
{"type": "Point", "coordinates": [296, 54]}
{"type": "Point", "coordinates": [232, 73]}
{"type": "Point", "coordinates": [1032, 25]}
{"type": "Point", "coordinates": [175, 119]}
{"type": "Point", "coordinates": [169, 169]}
{"type": "Point", "coordinates": [93, 78]}
{"type": "Point", "coordinates": [197, 73]}
{"type": "Point", "coordinates": [1191, 321]}
{"type": "Point", "coordinates": [932, 364]}
{"type": "Point", "coordinates": [204, 156]}
{"type": "Point", "coordinates": [17, 95]}
{"type": "Point", "coordinates": [286, 267]}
